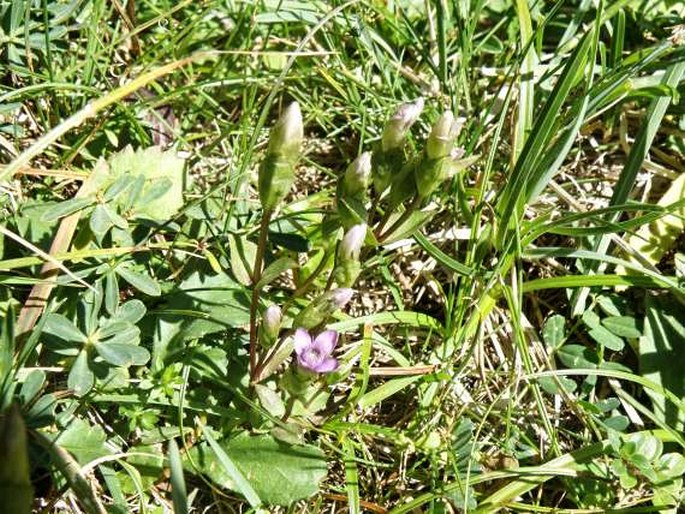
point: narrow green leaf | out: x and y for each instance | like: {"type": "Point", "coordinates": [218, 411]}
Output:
{"type": "Point", "coordinates": [178, 484]}
{"type": "Point", "coordinates": [442, 257]}
{"type": "Point", "coordinates": [351, 477]}
{"type": "Point", "coordinates": [66, 208]}
{"type": "Point", "coordinates": [386, 390]}
{"type": "Point", "coordinates": [274, 270]}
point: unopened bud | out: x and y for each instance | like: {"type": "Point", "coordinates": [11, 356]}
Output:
{"type": "Point", "coordinates": [341, 297]}
{"type": "Point", "coordinates": [432, 172]}
{"type": "Point", "coordinates": [352, 194]}
{"type": "Point", "coordinates": [443, 135]}
{"type": "Point", "coordinates": [355, 181]}
{"type": "Point", "coordinates": [397, 127]}
{"type": "Point", "coordinates": [322, 307]}
{"type": "Point", "coordinates": [352, 243]}
{"type": "Point", "coordinates": [271, 322]}
{"type": "Point", "coordinates": [287, 134]}
{"type": "Point", "coordinates": [277, 171]}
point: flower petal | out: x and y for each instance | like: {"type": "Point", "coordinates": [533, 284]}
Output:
{"type": "Point", "coordinates": [326, 341]}
{"type": "Point", "coordinates": [301, 340]}
{"type": "Point", "coordinates": [327, 366]}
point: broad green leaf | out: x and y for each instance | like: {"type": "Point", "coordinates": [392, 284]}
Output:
{"type": "Point", "coordinates": [662, 356]}
{"type": "Point", "coordinates": [607, 339]}
{"type": "Point", "coordinates": [140, 281]}
{"type": "Point", "coordinates": [131, 311]}
{"type": "Point", "coordinates": [85, 442]}
{"type": "Point", "coordinates": [63, 328]}
{"type": "Point", "coordinates": [575, 356]}
{"type": "Point", "coordinates": [100, 222]}
{"type": "Point", "coordinates": [161, 196]}
{"type": "Point", "coordinates": [121, 354]}
{"type": "Point", "coordinates": [81, 378]}
{"type": "Point", "coordinates": [268, 465]}
{"type": "Point", "coordinates": [553, 332]}
{"type": "Point", "coordinates": [205, 303]}
{"type": "Point", "coordinates": [624, 326]}
{"type": "Point", "coordinates": [552, 386]}
{"type": "Point", "coordinates": [289, 241]}
{"type": "Point", "coordinates": [270, 400]}
{"type": "Point", "coordinates": [231, 474]}
{"type": "Point", "coordinates": [671, 465]}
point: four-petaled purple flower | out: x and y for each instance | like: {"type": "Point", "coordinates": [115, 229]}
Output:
{"type": "Point", "coordinates": [316, 355]}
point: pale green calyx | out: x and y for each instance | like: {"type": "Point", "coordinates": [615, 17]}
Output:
{"type": "Point", "coordinates": [443, 135]}
{"type": "Point", "coordinates": [397, 127]}
{"type": "Point", "coordinates": [352, 243]}
{"type": "Point", "coordinates": [355, 181]}
{"type": "Point", "coordinates": [271, 321]}
{"type": "Point", "coordinates": [322, 307]}
{"type": "Point", "coordinates": [277, 171]}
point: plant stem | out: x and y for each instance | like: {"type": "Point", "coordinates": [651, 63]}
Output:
{"type": "Point", "coordinates": [256, 275]}
{"type": "Point", "coordinates": [403, 217]}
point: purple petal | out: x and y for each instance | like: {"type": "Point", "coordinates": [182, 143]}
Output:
{"type": "Point", "coordinates": [301, 340]}
{"type": "Point", "coordinates": [326, 341]}
{"type": "Point", "coordinates": [327, 366]}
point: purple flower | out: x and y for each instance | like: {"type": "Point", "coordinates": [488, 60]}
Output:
{"type": "Point", "coordinates": [316, 355]}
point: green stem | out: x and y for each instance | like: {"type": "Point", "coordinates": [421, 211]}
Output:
{"type": "Point", "coordinates": [400, 221]}
{"type": "Point", "coordinates": [254, 303]}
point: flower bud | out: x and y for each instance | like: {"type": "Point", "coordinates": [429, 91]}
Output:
{"type": "Point", "coordinates": [277, 171]}
{"type": "Point", "coordinates": [431, 173]}
{"type": "Point", "coordinates": [397, 127]}
{"type": "Point", "coordinates": [322, 307]}
{"type": "Point", "coordinates": [355, 181]}
{"type": "Point", "coordinates": [352, 243]}
{"type": "Point", "coordinates": [352, 193]}
{"type": "Point", "coordinates": [287, 134]}
{"type": "Point", "coordinates": [388, 157]}
{"type": "Point", "coordinates": [443, 135]}
{"type": "Point", "coordinates": [271, 322]}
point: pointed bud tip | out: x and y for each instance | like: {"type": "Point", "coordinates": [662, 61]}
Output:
{"type": "Point", "coordinates": [352, 242]}
{"type": "Point", "coordinates": [342, 296]}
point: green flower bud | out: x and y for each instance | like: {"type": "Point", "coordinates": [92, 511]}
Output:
{"type": "Point", "coordinates": [352, 243]}
{"type": "Point", "coordinates": [431, 173]}
{"type": "Point", "coordinates": [348, 267]}
{"type": "Point", "coordinates": [403, 185]}
{"type": "Point", "coordinates": [271, 325]}
{"type": "Point", "coordinates": [355, 181]}
{"type": "Point", "coordinates": [397, 127]}
{"type": "Point", "coordinates": [277, 171]}
{"type": "Point", "coordinates": [388, 158]}
{"type": "Point", "coordinates": [322, 307]}
{"type": "Point", "coordinates": [352, 193]}
{"type": "Point", "coordinates": [443, 136]}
